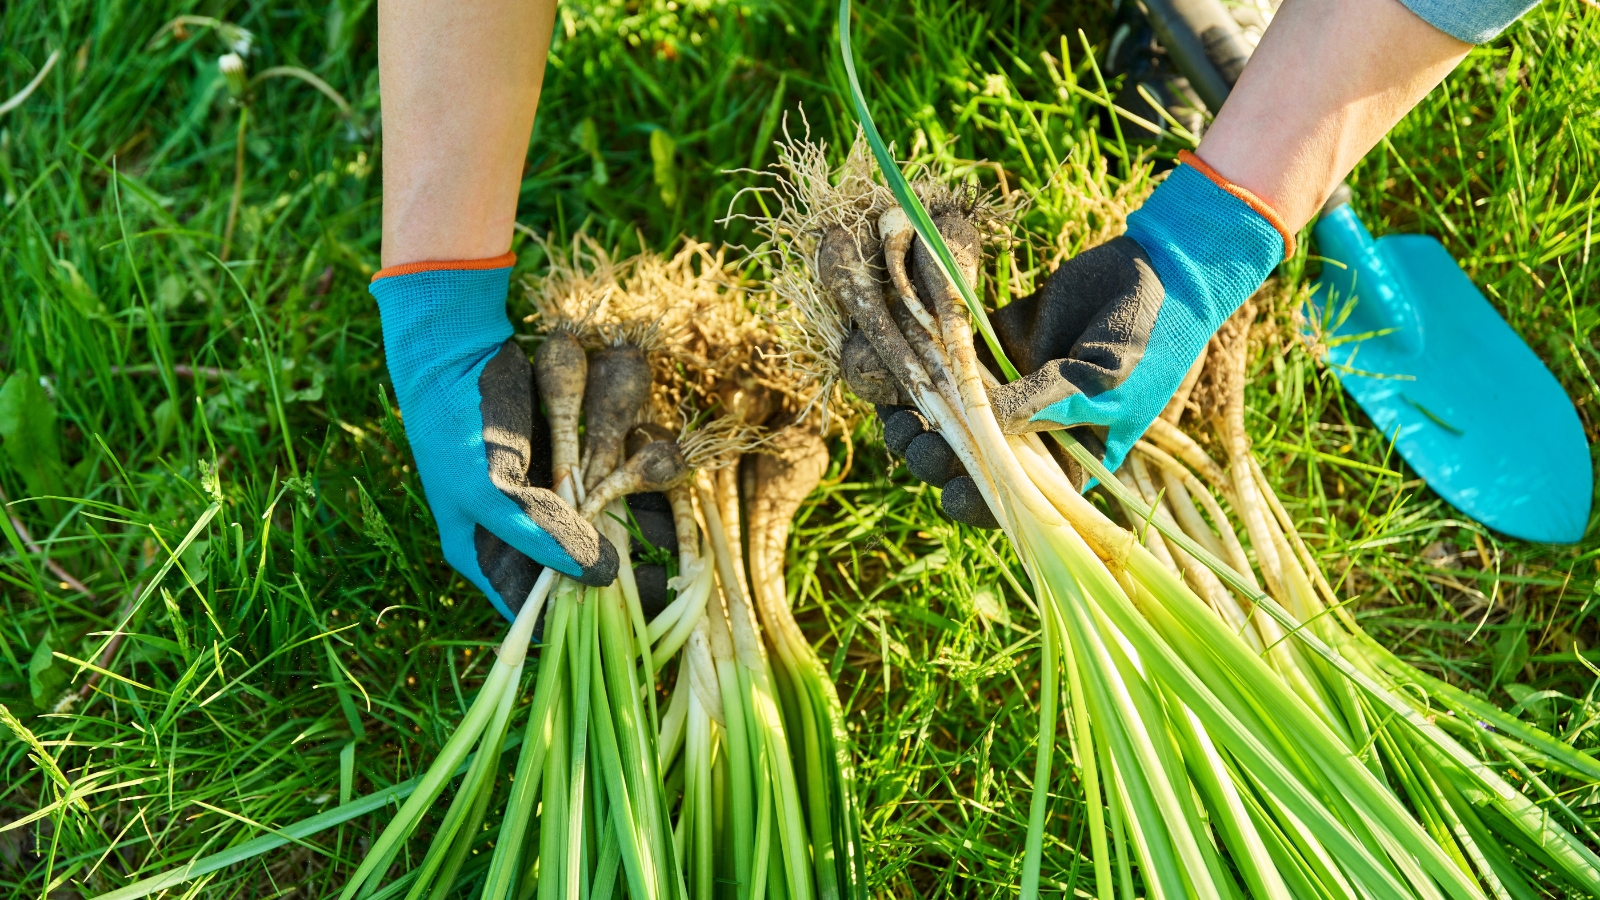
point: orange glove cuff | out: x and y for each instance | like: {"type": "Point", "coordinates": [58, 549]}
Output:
{"type": "Point", "coordinates": [503, 261]}
{"type": "Point", "coordinates": [1261, 207]}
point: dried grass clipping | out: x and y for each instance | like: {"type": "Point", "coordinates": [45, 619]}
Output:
{"type": "Point", "coordinates": [1095, 213]}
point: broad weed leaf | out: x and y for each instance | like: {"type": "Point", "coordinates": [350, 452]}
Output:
{"type": "Point", "coordinates": [28, 427]}
{"type": "Point", "coordinates": [45, 675]}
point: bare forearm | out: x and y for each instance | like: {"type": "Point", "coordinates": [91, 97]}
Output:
{"type": "Point", "coordinates": [460, 85]}
{"type": "Point", "coordinates": [1329, 79]}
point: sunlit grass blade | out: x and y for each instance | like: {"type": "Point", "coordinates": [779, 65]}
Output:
{"type": "Point", "coordinates": [303, 829]}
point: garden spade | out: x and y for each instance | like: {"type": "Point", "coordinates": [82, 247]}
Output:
{"type": "Point", "coordinates": [1464, 400]}
{"type": "Point", "coordinates": [1461, 396]}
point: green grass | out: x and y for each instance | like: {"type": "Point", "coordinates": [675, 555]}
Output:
{"type": "Point", "coordinates": [258, 686]}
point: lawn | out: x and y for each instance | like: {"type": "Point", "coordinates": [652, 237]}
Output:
{"type": "Point", "coordinates": [194, 410]}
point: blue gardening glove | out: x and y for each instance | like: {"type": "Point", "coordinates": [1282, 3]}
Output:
{"type": "Point", "coordinates": [1110, 335]}
{"type": "Point", "coordinates": [466, 394]}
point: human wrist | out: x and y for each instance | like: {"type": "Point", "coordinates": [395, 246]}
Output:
{"type": "Point", "coordinates": [1328, 80]}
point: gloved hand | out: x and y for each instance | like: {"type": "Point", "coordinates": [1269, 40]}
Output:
{"type": "Point", "coordinates": [652, 515]}
{"type": "Point", "coordinates": [466, 395]}
{"type": "Point", "coordinates": [1109, 336]}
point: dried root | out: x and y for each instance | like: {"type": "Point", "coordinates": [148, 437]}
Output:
{"type": "Point", "coordinates": [815, 210]}
{"type": "Point", "coordinates": [810, 199]}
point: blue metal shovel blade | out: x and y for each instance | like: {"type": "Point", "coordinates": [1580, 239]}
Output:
{"type": "Point", "coordinates": [1469, 406]}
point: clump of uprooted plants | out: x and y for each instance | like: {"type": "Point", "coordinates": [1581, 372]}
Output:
{"type": "Point", "coordinates": [1232, 741]}
{"type": "Point", "coordinates": [656, 376]}
{"type": "Point", "coordinates": [1513, 839]}
{"type": "Point", "coordinates": [752, 742]}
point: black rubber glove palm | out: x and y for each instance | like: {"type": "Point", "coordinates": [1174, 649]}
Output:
{"type": "Point", "coordinates": [521, 452]}
{"type": "Point", "coordinates": [1086, 325]}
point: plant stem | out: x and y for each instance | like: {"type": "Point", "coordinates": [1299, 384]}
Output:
{"type": "Point", "coordinates": [238, 184]}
